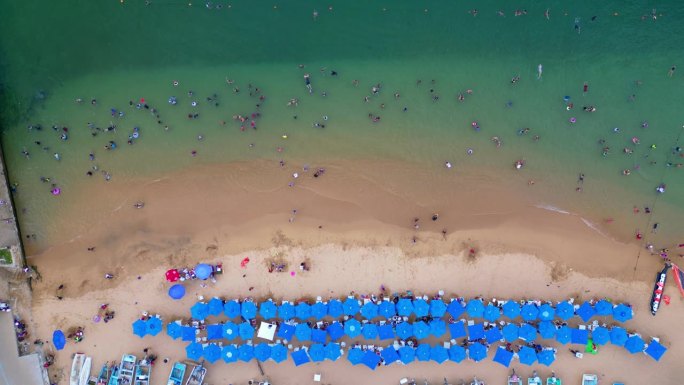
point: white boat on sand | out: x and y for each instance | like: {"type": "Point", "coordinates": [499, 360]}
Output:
{"type": "Point", "coordinates": [84, 376]}
{"type": "Point", "coordinates": [76, 366]}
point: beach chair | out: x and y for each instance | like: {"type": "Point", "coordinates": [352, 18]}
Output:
{"type": "Point", "coordinates": [317, 378]}
{"type": "Point", "coordinates": [446, 345]}
{"type": "Point", "coordinates": [403, 381]}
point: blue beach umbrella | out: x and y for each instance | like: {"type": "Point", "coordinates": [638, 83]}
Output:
{"type": "Point", "coordinates": [475, 308]}
{"type": "Point", "coordinates": [278, 353]}
{"type": "Point", "coordinates": [386, 332]}
{"type": "Point", "coordinates": [177, 291]}
{"type": "Point", "coordinates": [352, 328]}
{"type": "Point", "coordinates": [303, 311]}
{"type": "Point", "coordinates": [212, 353]}
{"type": "Point", "coordinates": [457, 330]}
{"type": "Point", "coordinates": [455, 308]}
{"type": "Point", "coordinates": [563, 335]}
{"type": "Point", "coordinates": [336, 331]}
{"type": "Point", "coordinates": [423, 352]}
{"type": "Point", "coordinates": [494, 334]}
{"type": "Point", "coordinates": [439, 354]}
{"type": "Point", "coordinates": [407, 354]}
{"type": "Point", "coordinates": [404, 330]}
{"type": "Point", "coordinates": [585, 311]}
{"type": "Point", "coordinates": [355, 356]}
{"type": "Point", "coordinates": [511, 309]}
{"type": "Point", "coordinates": [59, 340]}
{"type": "Point", "coordinates": [579, 336]}
{"type": "Point", "coordinates": [546, 312]}
{"type": "Point", "coordinates": [153, 326]}
{"type": "Point", "coordinates": [230, 331]}
{"type": "Point", "coordinates": [214, 332]}
{"type": "Point", "coordinates": [420, 308]}
{"type": "Point", "coordinates": [369, 331]}
{"type": "Point", "coordinates": [457, 353]}
{"type": "Point", "coordinates": [491, 313]}
{"type": "Point", "coordinates": [300, 357]}
{"type": "Point", "coordinates": [139, 328]}
{"type": "Point", "coordinates": [303, 332]}
{"type": "Point", "coordinates": [286, 331]}
{"type": "Point", "coordinates": [386, 309]}
{"type": "Point", "coordinates": [370, 359]}
{"type": "Point", "coordinates": [618, 336]}
{"type": "Point", "coordinates": [194, 351]}
{"type": "Point", "coordinates": [389, 355]}
{"type": "Point", "coordinates": [203, 271]}
{"type": "Point", "coordinates": [503, 356]}
{"type": "Point", "coordinates": [173, 330]}
{"type": "Point", "coordinates": [317, 352]}
{"type": "Point", "coordinates": [527, 332]}
{"type": "Point", "coordinates": [404, 307]}
{"type": "Point", "coordinates": [286, 311]}
{"type": "Point", "coordinates": [546, 357]}
{"type": "Point", "coordinates": [547, 330]}
{"type": "Point", "coordinates": [335, 308]}
{"type": "Point", "coordinates": [529, 312]}
{"type": "Point", "coordinates": [319, 336]}
{"type": "Point", "coordinates": [246, 353]}
{"type": "Point", "coordinates": [603, 308]}
{"type": "Point", "coordinates": [477, 352]}
{"type": "Point", "coordinates": [229, 353]}
{"type": "Point", "coordinates": [476, 332]}
{"type": "Point", "coordinates": [527, 355]}
{"type": "Point", "coordinates": [246, 331]}
{"type": "Point", "coordinates": [565, 310]}
{"type": "Point", "coordinates": [600, 335]}
{"type": "Point", "coordinates": [369, 311]}
{"type": "Point", "coordinates": [421, 330]}
{"type": "Point", "coordinates": [248, 310]}
{"type": "Point", "coordinates": [510, 332]}
{"type": "Point", "coordinates": [333, 351]}
{"type": "Point", "coordinates": [351, 306]}
{"type": "Point", "coordinates": [231, 309]}
{"type": "Point", "coordinates": [267, 310]}
{"type": "Point", "coordinates": [199, 311]}
{"type": "Point", "coordinates": [319, 310]}
{"type": "Point", "coordinates": [655, 350]}
{"type": "Point", "coordinates": [437, 308]}
{"type": "Point", "coordinates": [622, 313]}
{"type": "Point", "coordinates": [215, 306]}
{"type": "Point", "coordinates": [634, 344]}
{"type": "Point", "coordinates": [188, 333]}
{"type": "Point", "coordinates": [437, 327]}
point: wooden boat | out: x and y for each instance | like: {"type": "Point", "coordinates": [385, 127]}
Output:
{"type": "Point", "coordinates": [114, 376]}
{"type": "Point", "coordinates": [658, 289]}
{"type": "Point", "coordinates": [513, 379]}
{"type": "Point", "coordinates": [142, 372]}
{"type": "Point", "coordinates": [197, 375]}
{"type": "Point", "coordinates": [553, 380]}
{"type": "Point", "coordinates": [84, 376]}
{"type": "Point", "coordinates": [76, 366]}
{"type": "Point", "coordinates": [589, 379]}
{"type": "Point", "coordinates": [177, 374]}
{"type": "Point", "coordinates": [127, 369]}
{"type": "Point", "coordinates": [100, 379]}
{"type": "Point", "coordinates": [535, 379]}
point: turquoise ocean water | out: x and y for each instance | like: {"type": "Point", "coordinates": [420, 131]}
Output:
{"type": "Point", "coordinates": [53, 53]}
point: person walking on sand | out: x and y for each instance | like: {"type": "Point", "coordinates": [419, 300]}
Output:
{"type": "Point", "coordinates": [540, 69]}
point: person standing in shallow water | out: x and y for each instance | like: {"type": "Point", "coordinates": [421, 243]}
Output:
{"type": "Point", "coordinates": [672, 70]}
{"type": "Point", "coordinates": [540, 69]}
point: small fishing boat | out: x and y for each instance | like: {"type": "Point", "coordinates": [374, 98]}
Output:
{"type": "Point", "coordinates": [197, 375]}
{"type": "Point", "coordinates": [658, 289]}
{"type": "Point", "coordinates": [76, 366]}
{"type": "Point", "coordinates": [553, 380]}
{"type": "Point", "coordinates": [177, 374]}
{"type": "Point", "coordinates": [589, 379]}
{"type": "Point", "coordinates": [513, 379]}
{"type": "Point", "coordinates": [142, 372]}
{"type": "Point", "coordinates": [114, 376]}
{"type": "Point", "coordinates": [127, 369]}
{"type": "Point", "coordinates": [84, 376]}
{"type": "Point", "coordinates": [535, 379]}
{"type": "Point", "coordinates": [100, 379]}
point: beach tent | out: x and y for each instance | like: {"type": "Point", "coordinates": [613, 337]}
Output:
{"type": "Point", "coordinates": [303, 332]}
{"type": "Point", "coordinates": [547, 330]}
{"type": "Point", "coordinates": [369, 331]}
{"type": "Point", "coordinates": [352, 328]}
{"type": "Point", "coordinates": [475, 308]}
{"type": "Point", "coordinates": [316, 352]}
{"type": "Point", "coordinates": [248, 310]}
{"type": "Point", "coordinates": [527, 332]}
{"type": "Point", "coordinates": [600, 335]}
{"type": "Point", "coordinates": [622, 313]}
{"type": "Point", "coordinates": [139, 328]}
{"type": "Point", "coordinates": [455, 308]}
{"type": "Point", "coordinates": [229, 353]}
{"type": "Point", "coordinates": [203, 271]}
{"type": "Point", "coordinates": [319, 310]}
{"type": "Point", "coordinates": [407, 354]}
{"type": "Point", "coordinates": [421, 330]}
{"type": "Point", "coordinates": [267, 310]}
{"type": "Point", "coordinates": [527, 355]}
{"type": "Point", "coordinates": [618, 336]}
{"type": "Point", "coordinates": [386, 332]}
{"type": "Point", "coordinates": [457, 353]}
{"type": "Point", "coordinates": [177, 291]}
{"type": "Point", "coordinates": [231, 309]}
{"type": "Point", "coordinates": [246, 353]}
{"type": "Point", "coordinates": [439, 354]}
{"type": "Point", "coordinates": [278, 353]}
{"type": "Point", "coordinates": [389, 355]}
{"type": "Point", "coordinates": [246, 331]}
{"type": "Point", "coordinates": [423, 352]}
{"type": "Point", "coordinates": [199, 311]}
{"type": "Point", "coordinates": [437, 308]}
{"type": "Point", "coordinates": [230, 331]}
{"type": "Point", "coordinates": [477, 352]}
{"type": "Point", "coordinates": [286, 331]}
{"type": "Point", "coordinates": [476, 331]}
{"type": "Point", "coordinates": [214, 332]}
{"type": "Point", "coordinates": [319, 336]}
{"type": "Point", "coordinates": [333, 351]}
{"type": "Point", "coordinates": [173, 330]}
{"type": "Point", "coordinates": [491, 313]}
{"type": "Point", "coordinates": [529, 312]}
{"type": "Point", "coordinates": [503, 356]}
{"type": "Point", "coordinates": [194, 351]}
{"type": "Point", "coordinates": [266, 331]}
{"type": "Point", "coordinates": [58, 339]}
{"type": "Point", "coordinates": [335, 308]}
{"type": "Point", "coordinates": [493, 334]}
{"type": "Point", "coordinates": [546, 357]}
{"type": "Point", "coordinates": [404, 330]}
{"type": "Point", "coordinates": [336, 331]}
{"type": "Point", "coordinates": [351, 306]}
{"type": "Point", "coordinates": [420, 308]}
{"type": "Point", "coordinates": [546, 312]}
{"type": "Point", "coordinates": [565, 310]}
{"type": "Point", "coordinates": [437, 327]}
{"type": "Point", "coordinates": [457, 330]}
{"type": "Point", "coordinates": [370, 359]}
{"type": "Point", "coordinates": [286, 311]}
{"type": "Point", "coordinates": [511, 309]}
{"type": "Point", "coordinates": [303, 311]}
{"type": "Point", "coordinates": [603, 308]}
{"type": "Point", "coordinates": [355, 356]}
{"type": "Point", "coordinates": [387, 309]}
{"type": "Point", "coordinates": [655, 350]}
{"type": "Point", "coordinates": [300, 357]}
{"type": "Point", "coordinates": [369, 310]}
{"type": "Point", "coordinates": [212, 353]}
{"type": "Point", "coordinates": [215, 306]}
{"type": "Point", "coordinates": [188, 333]}
{"type": "Point", "coordinates": [564, 335]}
{"type": "Point", "coordinates": [404, 307]}
{"type": "Point", "coordinates": [586, 311]}
{"type": "Point", "coordinates": [634, 344]}
{"type": "Point", "coordinates": [510, 332]}
{"type": "Point", "coordinates": [579, 336]}
{"type": "Point", "coordinates": [153, 326]}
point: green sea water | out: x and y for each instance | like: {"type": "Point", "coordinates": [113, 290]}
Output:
{"type": "Point", "coordinates": [53, 53]}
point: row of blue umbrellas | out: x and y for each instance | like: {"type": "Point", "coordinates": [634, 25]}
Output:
{"type": "Point", "coordinates": [526, 356]}
{"type": "Point", "coordinates": [232, 353]}
{"type": "Point", "coordinates": [151, 326]}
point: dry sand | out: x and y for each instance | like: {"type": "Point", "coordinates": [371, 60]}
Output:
{"type": "Point", "coordinates": [357, 232]}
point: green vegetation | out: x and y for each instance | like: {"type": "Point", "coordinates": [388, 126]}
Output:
{"type": "Point", "coordinates": [5, 257]}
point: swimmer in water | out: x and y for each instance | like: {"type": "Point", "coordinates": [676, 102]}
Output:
{"type": "Point", "coordinates": [547, 14]}
{"type": "Point", "coordinates": [539, 71]}
{"type": "Point", "coordinates": [672, 70]}
{"type": "Point", "coordinates": [578, 28]}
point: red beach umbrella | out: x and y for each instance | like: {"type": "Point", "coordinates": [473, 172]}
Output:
{"type": "Point", "coordinates": [172, 275]}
